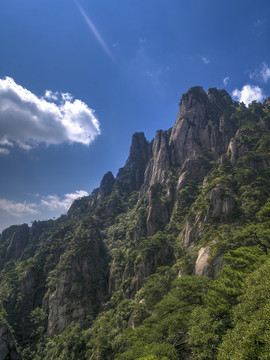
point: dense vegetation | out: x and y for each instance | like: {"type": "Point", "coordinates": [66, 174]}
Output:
{"type": "Point", "coordinates": [128, 294]}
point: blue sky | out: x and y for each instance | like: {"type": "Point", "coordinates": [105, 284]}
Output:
{"type": "Point", "coordinates": [78, 78]}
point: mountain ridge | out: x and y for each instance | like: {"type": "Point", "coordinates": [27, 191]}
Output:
{"type": "Point", "coordinates": [181, 202]}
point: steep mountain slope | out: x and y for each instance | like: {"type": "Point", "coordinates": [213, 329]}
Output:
{"type": "Point", "coordinates": [117, 277]}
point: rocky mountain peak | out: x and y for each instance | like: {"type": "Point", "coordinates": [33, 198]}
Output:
{"type": "Point", "coordinates": [196, 93]}
{"type": "Point", "coordinates": [201, 125]}
{"type": "Point", "coordinates": [138, 150]}
{"type": "Point", "coordinates": [132, 174]}
{"type": "Point", "coordinates": [107, 183]}
{"type": "Point", "coordinates": [193, 106]}
{"type": "Point", "coordinates": [219, 97]}
{"type": "Point", "coordinates": [106, 186]}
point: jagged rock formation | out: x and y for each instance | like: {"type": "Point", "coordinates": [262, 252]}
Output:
{"type": "Point", "coordinates": [131, 176]}
{"type": "Point", "coordinates": [171, 205]}
{"type": "Point", "coordinates": [17, 238]}
{"type": "Point", "coordinates": [75, 294]}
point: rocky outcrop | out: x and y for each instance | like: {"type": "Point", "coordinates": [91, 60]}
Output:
{"type": "Point", "coordinates": [236, 149]}
{"type": "Point", "coordinates": [148, 266]}
{"type": "Point", "coordinates": [80, 288]}
{"type": "Point", "coordinates": [194, 168]}
{"type": "Point", "coordinates": [19, 242]}
{"type": "Point", "coordinates": [135, 273]}
{"type": "Point", "coordinates": [158, 210]}
{"type": "Point", "coordinates": [131, 176]}
{"type": "Point", "coordinates": [201, 125]}
{"type": "Point", "coordinates": [202, 260]}
{"type": "Point", "coordinates": [160, 159]}
{"type": "Point", "coordinates": [8, 349]}
{"type": "Point", "coordinates": [191, 231]}
{"type": "Point", "coordinates": [106, 186]}
{"type": "Point", "coordinates": [218, 205]}
{"type": "Point", "coordinates": [16, 238]}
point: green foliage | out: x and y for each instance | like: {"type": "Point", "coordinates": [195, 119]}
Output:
{"type": "Point", "coordinates": [69, 345]}
{"type": "Point", "coordinates": [156, 286]}
{"type": "Point", "coordinates": [210, 322]}
{"type": "Point", "coordinates": [249, 339]}
{"type": "Point", "coordinates": [185, 198]}
{"type": "Point", "coordinates": [168, 325]}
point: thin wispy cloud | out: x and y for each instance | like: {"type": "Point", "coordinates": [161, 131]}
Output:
{"type": "Point", "coordinates": [258, 26]}
{"type": "Point", "coordinates": [95, 31]}
{"type": "Point", "coordinates": [249, 93]}
{"type": "Point", "coordinates": [28, 120]}
{"type": "Point", "coordinates": [142, 41]}
{"type": "Point", "coordinates": [51, 202]}
{"type": "Point", "coordinates": [265, 72]}
{"type": "Point", "coordinates": [18, 209]}
{"type": "Point", "coordinates": [226, 80]}
{"type": "Point", "coordinates": [205, 60]}
{"type": "Point", "coordinates": [4, 151]}
{"type": "Point", "coordinates": [54, 202]}
{"type": "Point", "coordinates": [261, 74]}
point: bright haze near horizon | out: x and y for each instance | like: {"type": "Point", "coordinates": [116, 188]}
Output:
{"type": "Point", "coordinates": [78, 78]}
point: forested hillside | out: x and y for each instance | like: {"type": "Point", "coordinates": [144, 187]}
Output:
{"type": "Point", "coordinates": [168, 260]}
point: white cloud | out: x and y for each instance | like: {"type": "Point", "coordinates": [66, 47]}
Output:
{"type": "Point", "coordinates": [225, 80]}
{"type": "Point", "coordinates": [53, 202]}
{"type": "Point", "coordinates": [265, 72]}
{"type": "Point", "coordinates": [261, 74]}
{"type": "Point", "coordinates": [205, 60]}
{"type": "Point", "coordinates": [67, 96]}
{"type": "Point", "coordinates": [51, 95]}
{"type": "Point", "coordinates": [4, 151]}
{"type": "Point", "coordinates": [18, 209]}
{"type": "Point", "coordinates": [248, 94]}
{"type": "Point", "coordinates": [5, 142]}
{"type": "Point", "coordinates": [28, 120]}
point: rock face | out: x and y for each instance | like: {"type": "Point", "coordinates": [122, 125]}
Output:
{"type": "Point", "coordinates": [158, 212]}
{"type": "Point", "coordinates": [201, 125]}
{"type": "Point", "coordinates": [202, 260]}
{"type": "Point", "coordinates": [17, 238]}
{"type": "Point", "coordinates": [131, 176]}
{"type": "Point", "coordinates": [160, 159]}
{"type": "Point", "coordinates": [8, 349]}
{"type": "Point", "coordinates": [79, 290]}
{"type": "Point", "coordinates": [106, 186]}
